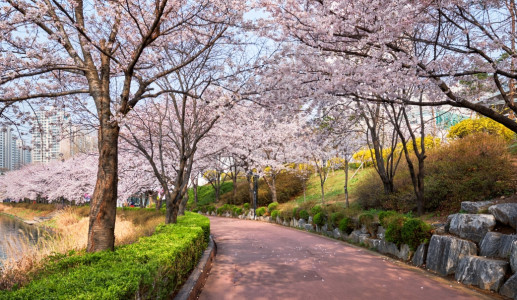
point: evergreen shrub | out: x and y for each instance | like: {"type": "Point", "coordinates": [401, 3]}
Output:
{"type": "Point", "coordinates": [303, 214]}
{"type": "Point", "coordinates": [152, 268]}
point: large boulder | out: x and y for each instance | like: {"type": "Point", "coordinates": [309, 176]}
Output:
{"type": "Point", "coordinates": [485, 273]}
{"type": "Point", "coordinates": [471, 207]}
{"type": "Point", "coordinates": [471, 227]}
{"type": "Point", "coordinates": [357, 236]}
{"type": "Point", "coordinates": [445, 252]}
{"type": "Point", "coordinates": [509, 288]}
{"type": "Point", "coordinates": [386, 247]}
{"type": "Point", "coordinates": [513, 257]}
{"type": "Point", "coordinates": [419, 256]}
{"type": "Point", "coordinates": [336, 233]}
{"type": "Point", "coordinates": [381, 232]}
{"type": "Point", "coordinates": [405, 252]}
{"type": "Point", "coordinates": [505, 213]}
{"type": "Point", "coordinates": [490, 244]}
{"type": "Point", "coordinates": [497, 245]}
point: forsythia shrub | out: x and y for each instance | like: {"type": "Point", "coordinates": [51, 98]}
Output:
{"type": "Point", "coordinates": [154, 267]}
{"type": "Point", "coordinates": [480, 125]}
{"type": "Point", "coordinates": [275, 214]}
{"type": "Point", "coordinates": [246, 206]}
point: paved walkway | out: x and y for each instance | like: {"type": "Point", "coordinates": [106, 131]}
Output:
{"type": "Point", "coordinates": [257, 260]}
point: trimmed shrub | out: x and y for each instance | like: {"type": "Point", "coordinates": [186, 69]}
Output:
{"type": "Point", "coordinates": [261, 211]}
{"type": "Point", "coordinates": [319, 219]}
{"type": "Point", "coordinates": [154, 267]}
{"type": "Point", "coordinates": [296, 212]}
{"type": "Point", "coordinates": [237, 211]}
{"type": "Point", "coordinates": [415, 232]}
{"type": "Point", "coordinates": [275, 214]}
{"type": "Point", "coordinates": [286, 215]}
{"type": "Point", "coordinates": [336, 217]}
{"type": "Point", "coordinates": [345, 225]}
{"type": "Point", "coordinates": [366, 218]}
{"type": "Point", "coordinates": [316, 210]}
{"type": "Point", "coordinates": [384, 216]}
{"type": "Point", "coordinates": [272, 206]}
{"type": "Point", "coordinates": [246, 206]}
{"type": "Point", "coordinates": [394, 229]}
{"type": "Point", "coordinates": [210, 208]}
{"type": "Point", "coordinates": [304, 214]}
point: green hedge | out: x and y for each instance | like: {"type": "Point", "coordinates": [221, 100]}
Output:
{"type": "Point", "coordinates": [261, 211]}
{"type": "Point", "coordinates": [154, 267]}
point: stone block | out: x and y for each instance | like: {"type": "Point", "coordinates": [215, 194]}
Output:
{"type": "Point", "coordinates": [308, 227]}
{"type": "Point", "coordinates": [336, 233]}
{"type": "Point", "coordinates": [405, 252]}
{"type": "Point", "coordinates": [419, 256]}
{"type": "Point", "coordinates": [509, 288]}
{"type": "Point", "coordinates": [497, 245]}
{"type": "Point", "coordinates": [381, 232]}
{"type": "Point", "coordinates": [477, 207]}
{"type": "Point", "coordinates": [513, 257]}
{"type": "Point", "coordinates": [301, 223]}
{"type": "Point", "coordinates": [505, 213]}
{"type": "Point", "coordinates": [445, 252]}
{"type": "Point", "coordinates": [486, 273]}
{"type": "Point", "coordinates": [471, 227]}
{"type": "Point", "coordinates": [386, 247]}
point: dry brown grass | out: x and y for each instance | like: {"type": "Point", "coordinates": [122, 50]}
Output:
{"type": "Point", "coordinates": [27, 211]}
{"type": "Point", "coordinates": [71, 231]}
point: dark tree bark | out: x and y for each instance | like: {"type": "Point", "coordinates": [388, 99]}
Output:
{"type": "Point", "coordinates": [386, 168]}
{"type": "Point", "coordinates": [103, 207]}
{"type": "Point", "coordinates": [346, 183]}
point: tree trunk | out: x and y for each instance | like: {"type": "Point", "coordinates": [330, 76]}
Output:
{"type": "Point", "coordinates": [322, 192]}
{"type": "Point", "coordinates": [171, 215]}
{"type": "Point", "coordinates": [346, 184]}
{"type": "Point", "coordinates": [103, 209]}
{"type": "Point", "coordinates": [273, 188]}
{"type": "Point", "coordinates": [250, 188]}
{"type": "Point", "coordinates": [195, 191]}
{"type": "Point", "coordinates": [183, 204]}
{"type": "Point", "coordinates": [234, 191]}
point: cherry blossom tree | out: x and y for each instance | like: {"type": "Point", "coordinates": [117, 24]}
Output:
{"type": "Point", "coordinates": [106, 50]}
{"type": "Point", "coordinates": [460, 53]}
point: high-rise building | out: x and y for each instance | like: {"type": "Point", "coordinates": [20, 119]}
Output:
{"type": "Point", "coordinates": [22, 154]}
{"type": "Point", "coordinates": [14, 153]}
{"type": "Point", "coordinates": [46, 136]}
{"type": "Point", "coordinates": [6, 147]}
{"type": "Point", "coordinates": [55, 137]}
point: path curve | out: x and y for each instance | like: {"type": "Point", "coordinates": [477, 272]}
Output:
{"type": "Point", "coordinates": [258, 260]}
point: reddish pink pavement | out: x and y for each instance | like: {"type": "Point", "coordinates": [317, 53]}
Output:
{"type": "Point", "coordinates": [257, 260]}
